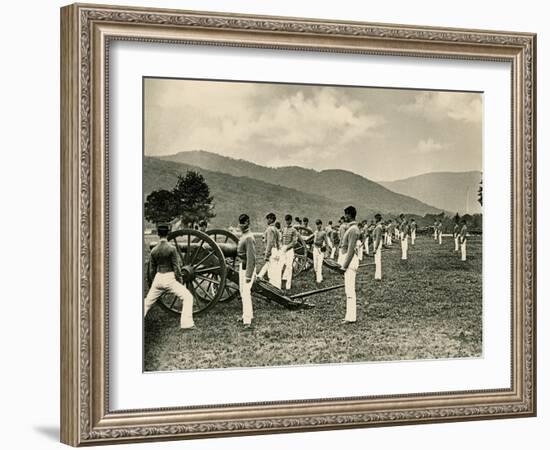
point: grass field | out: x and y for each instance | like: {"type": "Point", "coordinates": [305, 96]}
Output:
{"type": "Point", "coordinates": [427, 307]}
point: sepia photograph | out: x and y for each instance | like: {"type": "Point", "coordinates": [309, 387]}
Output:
{"type": "Point", "coordinates": [298, 224]}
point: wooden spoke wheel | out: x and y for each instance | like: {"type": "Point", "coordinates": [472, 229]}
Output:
{"type": "Point", "coordinates": [302, 263]}
{"type": "Point", "coordinates": [305, 233]}
{"type": "Point", "coordinates": [222, 237]}
{"type": "Point", "coordinates": [203, 271]}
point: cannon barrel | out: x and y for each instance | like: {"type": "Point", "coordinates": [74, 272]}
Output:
{"type": "Point", "coordinates": [229, 249]}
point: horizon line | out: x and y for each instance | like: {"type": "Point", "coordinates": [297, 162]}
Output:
{"type": "Point", "coordinates": [310, 168]}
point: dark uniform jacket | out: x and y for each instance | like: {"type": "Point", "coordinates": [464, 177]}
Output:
{"type": "Point", "coordinates": [246, 251]}
{"type": "Point", "coordinates": [164, 258]}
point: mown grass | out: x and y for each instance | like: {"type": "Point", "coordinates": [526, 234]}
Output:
{"type": "Point", "coordinates": [425, 308]}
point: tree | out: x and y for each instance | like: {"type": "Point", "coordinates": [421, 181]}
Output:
{"type": "Point", "coordinates": [480, 193]}
{"type": "Point", "coordinates": [160, 206]}
{"type": "Point", "coordinates": [457, 218]}
{"type": "Point", "coordinates": [192, 198]}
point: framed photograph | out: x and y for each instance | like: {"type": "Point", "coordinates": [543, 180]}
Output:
{"type": "Point", "coordinates": [276, 224]}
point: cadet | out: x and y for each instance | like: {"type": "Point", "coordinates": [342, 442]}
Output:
{"type": "Point", "coordinates": [440, 232]}
{"type": "Point", "coordinates": [272, 253]}
{"type": "Point", "coordinates": [288, 242]}
{"type": "Point", "coordinates": [404, 236]}
{"type": "Point", "coordinates": [413, 231]}
{"type": "Point", "coordinates": [335, 242]}
{"type": "Point", "coordinates": [164, 267]}
{"type": "Point", "coordinates": [320, 242]}
{"type": "Point", "coordinates": [456, 235]}
{"type": "Point", "coordinates": [367, 232]}
{"type": "Point", "coordinates": [463, 235]}
{"type": "Point", "coordinates": [377, 241]}
{"type": "Point", "coordinates": [435, 230]}
{"type": "Point", "coordinates": [390, 230]}
{"type": "Point", "coordinates": [306, 223]}
{"type": "Point", "coordinates": [279, 231]}
{"type": "Point", "coordinates": [397, 230]}
{"type": "Point", "coordinates": [341, 231]}
{"type": "Point", "coordinates": [360, 241]}
{"type": "Point", "coordinates": [298, 222]}
{"type": "Point", "coordinates": [328, 230]}
{"type": "Point", "coordinates": [246, 251]}
{"type": "Point", "coordinates": [350, 263]}
{"type": "Point", "coordinates": [203, 225]}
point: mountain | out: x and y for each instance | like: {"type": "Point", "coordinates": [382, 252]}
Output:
{"type": "Point", "coordinates": [343, 187]}
{"type": "Point", "coordinates": [454, 191]}
{"type": "Point", "coordinates": [236, 195]}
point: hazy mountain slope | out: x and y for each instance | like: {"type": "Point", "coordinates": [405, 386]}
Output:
{"type": "Point", "coordinates": [338, 185]}
{"type": "Point", "coordinates": [454, 191]}
{"type": "Point", "coordinates": [236, 195]}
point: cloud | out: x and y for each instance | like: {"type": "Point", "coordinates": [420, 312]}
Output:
{"type": "Point", "coordinates": [438, 106]}
{"type": "Point", "coordinates": [291, 125]}
{"type": "Point", "coordinates": [373, 132]}
{"type": "Point", "coordinates": [427, 146]}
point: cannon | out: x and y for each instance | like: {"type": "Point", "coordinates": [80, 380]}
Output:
{"type": "Point", "coordinates": [208, 264]}
{"type": "Point", "coordinates": [306, 235]}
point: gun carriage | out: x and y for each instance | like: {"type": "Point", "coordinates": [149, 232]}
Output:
{"type": "Point", "coordinates": [306, 253]}
{"type": "Point", "coordinates": [209, 269]}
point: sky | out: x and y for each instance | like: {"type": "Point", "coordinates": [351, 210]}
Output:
{"type": "Point", "coordinates": [382, 134]}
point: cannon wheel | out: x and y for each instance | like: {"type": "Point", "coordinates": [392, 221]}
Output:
{"type": "Point", "coordinates": [301, 260]}
{"type": "Point", "coordinates": [204, 271]}
{"type": "Point", "coordinates": [231, 289]}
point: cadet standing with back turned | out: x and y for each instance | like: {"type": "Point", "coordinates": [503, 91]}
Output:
{"type": "Point", "coordinates": [320, 243]}
{"type": "Point", "coordinates": [165, 271]}
{"type": "Point", "coordinates": [246, 251]}
{"type": "Point", "coordinates": [350, 263]}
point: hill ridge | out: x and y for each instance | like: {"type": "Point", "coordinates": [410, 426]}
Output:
{"type": "Point", "coordinates": [338, 185]}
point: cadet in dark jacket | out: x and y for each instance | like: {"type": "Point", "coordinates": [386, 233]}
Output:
{"type": "Point", "coordinates": [289, 239]}
{"type": "Point", "coordinates": [350, 262]}
{"type": "Point", "coordinates": [246, 251]}
{"type": "Point", "coordinates": [377, 242]}
{"type": "Point", "coordinates": [404, 231]}
{"type": "Point", "coordinates": [463, 237]}
{"type": "Point", "coordinates": [165, 271]}
{"type": "Point", "coordinates": [413, 231]}
{"type": "Point", "coordinates": [456, 235]}
{"type": "Point", "coordinates": [320, 243]}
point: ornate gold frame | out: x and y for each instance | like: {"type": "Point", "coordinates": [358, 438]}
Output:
{"type": "Point", "coordinates": [86, 31]}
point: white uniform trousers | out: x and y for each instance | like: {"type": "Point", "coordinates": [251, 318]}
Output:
{"type": "Point", "coordinates": [288, 260]}
{"type": "Point", "coordinates": [329, 248]}
{"type": "Point", "coordinates": [318, 257]}
{"type": "Point", "coordinates": [378, 263]}
{"type": "Point", "coordinates": [274, 268]}
{"type": "Point", "coordinates": [413, 236]}
{"type": "Point", "coordinates": [360, 250]}
{"type": "Point", "coordinates": [333, 252]}
{"type": "Point", "coordinates": [349, 282]}
{"type": "Point", "coordinates": [245, 290]}
{"type": "Point", "coordinates": [166, 282]}
{"type": "Point", "coordinates": [263, 270]}
{"type": "Point", "coordinates": [341, 257]}
{"type": "Point", "coordinates": [435, 235]}
{"type": "Point", "coordinates": [366, 245]}
{"type": "Point", "coordinates": [456, 244]}
{"type": "Point", "coordinates": [390, 241]}
{"type": "Point", "coordinates": [463, 250]}
{"type": "Point", "coordinates": [404, 247]}
{"type": "Point", "coordinates": [440, 237]}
